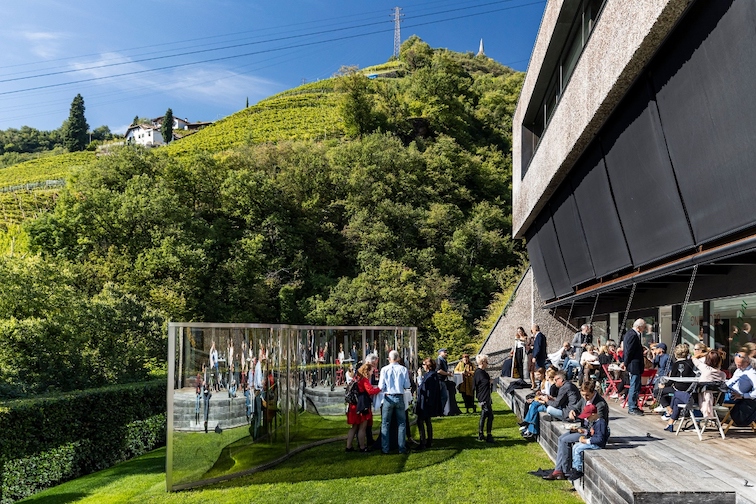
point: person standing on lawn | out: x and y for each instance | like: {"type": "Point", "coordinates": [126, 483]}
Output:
{"type": "Point", "coordinates": [393, 382]}
{"type": "Point", "coordinates": [482, 381]}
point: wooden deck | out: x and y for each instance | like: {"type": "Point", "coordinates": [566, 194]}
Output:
{"type": "Point", "coordinates": [645, 464]}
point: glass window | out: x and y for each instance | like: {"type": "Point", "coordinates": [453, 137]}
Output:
{"type": "Point", "coordinates": [584, 23]}
{"type": "Point", "coordinates": [733, 321]}
{"type": "Point", "coordinates": [691, 329]}
{"type": "Point", "coordinates": [571, 56]}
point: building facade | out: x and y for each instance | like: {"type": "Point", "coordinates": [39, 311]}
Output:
{"type": "Point", "coordinates": [634, 146]}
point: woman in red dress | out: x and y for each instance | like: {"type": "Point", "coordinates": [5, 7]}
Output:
{"type": "Point", "coordinates": [359, 422]}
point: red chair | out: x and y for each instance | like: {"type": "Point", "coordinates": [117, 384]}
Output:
{"type": "Point", "coordinates": [646, 390]}
{"type": "Point", "coordinates": [339, 377]}
{"type": "Point", "coordinates": [611, 385]}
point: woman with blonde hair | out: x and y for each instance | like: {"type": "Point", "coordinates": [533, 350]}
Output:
{"type": "Point", "coordinates": [467, 370]}
{"type": "Point", "coordinates": [359, 420]}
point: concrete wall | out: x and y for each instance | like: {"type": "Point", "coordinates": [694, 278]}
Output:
{"type": "Point", "coordinates": [625, 37]}
{"type": "Point", "coordinates": [524, 310]}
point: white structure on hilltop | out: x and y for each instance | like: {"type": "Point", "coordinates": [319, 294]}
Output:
{"type": "Point", "coordinates": [480, 50]}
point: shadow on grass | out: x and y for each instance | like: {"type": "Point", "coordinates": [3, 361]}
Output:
{"type": "Point", "coordinates": [333, 463]}
{"type": "Point", "coordinates": [150, 463]}
{"type": "Point", "coordinates": [62, 498]}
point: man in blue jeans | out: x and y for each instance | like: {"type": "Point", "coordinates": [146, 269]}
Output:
{"type": "Point", "coordinates": [393, 382]}
{"type": "Point", "coordinates": [632, 358]}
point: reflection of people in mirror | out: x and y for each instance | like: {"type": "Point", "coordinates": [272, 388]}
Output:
{"type": "Point", "coordinates": [206, 396]}
{"type": "Point", "coordinates": [198, 391]}
{"type": "Point", "coordinates": [214, 365]}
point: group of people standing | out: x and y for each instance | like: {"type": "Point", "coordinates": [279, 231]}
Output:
{"type": "Point", "coordinates": [433, 398]}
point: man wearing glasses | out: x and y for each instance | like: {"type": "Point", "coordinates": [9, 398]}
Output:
{"type": "Point", "coordinates": [742, 392]}
{"type": "Point", "coordinates": [742, 385]}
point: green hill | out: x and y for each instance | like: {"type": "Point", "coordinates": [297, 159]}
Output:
{"type": "Point", "coordinates": [308, 112]}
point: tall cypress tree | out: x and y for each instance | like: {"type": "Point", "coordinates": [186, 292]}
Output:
{"type": "Point", "coordinates": [166, 129]}
{"type": "Point", "coordinates": [75, 128]}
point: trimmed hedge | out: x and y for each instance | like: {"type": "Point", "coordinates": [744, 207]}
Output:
{"type": "Point", "coordinates": [49, 440]}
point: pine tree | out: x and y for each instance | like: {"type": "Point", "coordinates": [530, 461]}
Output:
{"type": "Point", "coordinates": [166, 129]}
{"type": "Point", "coordinates": [247, 102]}
{"type": "Point", "coordinates": [75, 128]}
{"type": "Point", "coordinates": [135, 121]}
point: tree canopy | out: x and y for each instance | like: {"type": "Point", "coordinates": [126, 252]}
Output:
{"type": "Point", "coordinates": [75, 137]}
{"type": "Point", "coordinates": [400, 225]}
{"type": "Point", "coordinates": [166, 128]}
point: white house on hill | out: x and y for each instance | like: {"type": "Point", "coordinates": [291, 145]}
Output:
{"type": "Point", "coordinates": [149, 134]}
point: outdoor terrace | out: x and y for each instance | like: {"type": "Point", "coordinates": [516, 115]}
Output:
{"type": "Point", "coordinates": [643, 464]}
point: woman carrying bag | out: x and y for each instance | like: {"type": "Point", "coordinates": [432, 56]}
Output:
{"type": "Point", "coordinates": [359, 415]}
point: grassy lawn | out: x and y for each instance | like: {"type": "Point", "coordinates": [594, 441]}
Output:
{"type": "Point", "coordinates": [456, 469]}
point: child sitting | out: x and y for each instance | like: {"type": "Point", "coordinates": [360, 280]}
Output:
{"type": "Point", "coordinates": [594, 437]}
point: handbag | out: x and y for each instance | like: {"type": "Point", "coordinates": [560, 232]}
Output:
{"type": "Point", "coordinates": [364, 403]}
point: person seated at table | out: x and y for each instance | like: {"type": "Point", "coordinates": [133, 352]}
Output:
{"type": "Point", "coordinates": [742, 385]}
{"type": "Point", "coordinates": [661, 359]}
{"type": "Point", "coordinates": [611, 347]}
{"type": "Point", "coordinates": [589, 363]}
{"type": "Point", "coordinates": [742, 390]}
{"type": "Point", "coordinates": [530, 425]}
{"type": "Point", "coordinates": [349, 374]}
{"type": "Point", "coordinates": [682, 367]}
{"type": "Point", "coordinates": [708, 366]}
{"type": "Point", "coordinates": [591, 435]}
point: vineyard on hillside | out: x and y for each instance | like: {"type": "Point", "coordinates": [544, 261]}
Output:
{"type": "Point", "coordinates": [46, 168]}
{"type": "Point", "coordinates": [299, 115]}
{"type": "Point", "coordinates": [18, 205]}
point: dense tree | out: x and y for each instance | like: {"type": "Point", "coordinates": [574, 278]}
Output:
{"type": "Point", "coordinates": [388, 228]}
{"type": "Point", "coordinates": [75, 128]}
{"type": "Point", "coordinates": [356, 105]}
{"type": "Point", "coordinates": [166, 129]}
{"type": "Point", "coordinates": [101, 133]}
{"type": "Point", "coordinates": [415, 53]}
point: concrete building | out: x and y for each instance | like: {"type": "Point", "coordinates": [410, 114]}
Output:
{"type": "Point", "coordinates": [634, 150]}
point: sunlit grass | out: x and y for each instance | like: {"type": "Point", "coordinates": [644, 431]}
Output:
{"type": "Point", "coordinates": [456, 469]}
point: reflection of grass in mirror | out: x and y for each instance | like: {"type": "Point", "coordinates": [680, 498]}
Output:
{"type": "Point", "coordinates": [194, 453]}
{"type": "Point", "coordinates": [199, 456]}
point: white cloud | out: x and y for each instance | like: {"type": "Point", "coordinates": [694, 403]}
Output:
{"type": "Point", "coordinates": [44, 44]}
{"type": "Point", "coordinates": [205, 83]}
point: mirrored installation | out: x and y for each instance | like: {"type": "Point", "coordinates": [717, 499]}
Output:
{"type": "Point", "coordinates": [243, 396]}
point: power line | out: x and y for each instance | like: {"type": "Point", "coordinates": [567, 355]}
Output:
{"type": "Point", "coordinates": [263, 51]}
{"type": "Point", "coordinates": [397, 42]}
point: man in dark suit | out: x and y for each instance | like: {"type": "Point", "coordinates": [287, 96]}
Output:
{"type": "Point", "coordinates": [632, 361]}
{"type": "Point", "coordinates": [539, 346]}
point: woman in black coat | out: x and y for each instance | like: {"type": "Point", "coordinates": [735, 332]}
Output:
{"type": "Point", "coordinates": [428, 402]}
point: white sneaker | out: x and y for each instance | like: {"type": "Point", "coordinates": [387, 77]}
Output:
{"type": "Point", "coordinates": [523, 428]}
{"type": "Point", "coordinates": [614, 396]}
{"type": "Point", "coordinates": [665, 417]}
{"type": "Point", "coordinates": [660, 409]}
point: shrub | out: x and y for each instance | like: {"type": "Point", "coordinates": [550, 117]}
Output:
{"type": "Point", "coordinates": [52, 439]}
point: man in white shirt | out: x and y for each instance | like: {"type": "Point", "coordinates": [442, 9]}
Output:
{"type": "Point", "coordinates": [393, 382]}
{"type": "Point", "coordinates": [742, 385]}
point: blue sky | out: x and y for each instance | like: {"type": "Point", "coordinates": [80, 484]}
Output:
{"type": "Point", "coordinates": [204, 59]}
